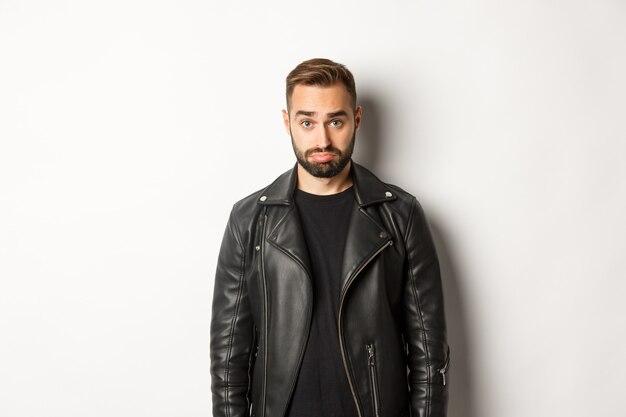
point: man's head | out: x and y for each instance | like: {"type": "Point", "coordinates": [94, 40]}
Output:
{"type": "Point", "coordinates": [322, 117]}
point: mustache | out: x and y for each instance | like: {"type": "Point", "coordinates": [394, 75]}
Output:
{"type": "Point", "coordinates": [328, 148]}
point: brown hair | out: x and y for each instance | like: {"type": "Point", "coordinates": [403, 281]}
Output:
{"type": "Point", "coordinates": [321, 72]}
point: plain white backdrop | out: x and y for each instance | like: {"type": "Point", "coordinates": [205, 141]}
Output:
{"type": "Point", "coordinates": [129, 128]}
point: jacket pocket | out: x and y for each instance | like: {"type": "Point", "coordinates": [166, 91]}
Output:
{"type": "Point", "coordinates": [444, 369]}
{"type": "Point", "coordinates": [371, 364]}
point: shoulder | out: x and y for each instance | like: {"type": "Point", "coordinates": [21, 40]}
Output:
{"type": "Point", "coordinates": [404, 197]}
{"type": "Point", "coordinates": [407, 208]}
{"type": "Point", "coordinates": [397, 197]}
{"type": "Point", "coordinates": [247, 209]}
{"type": "Point", "coordinates": [247, 204]}
{"type": "Point", "coordinates": [403, 208]}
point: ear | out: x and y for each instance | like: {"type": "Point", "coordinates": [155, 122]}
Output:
{"type": "Point", "coordinates": [286, 121]}
{"type": "Point", "coordinates": [357, 117]}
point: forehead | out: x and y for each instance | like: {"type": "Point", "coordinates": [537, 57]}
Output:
{"type": "Point", "coordinates": [320, 99]}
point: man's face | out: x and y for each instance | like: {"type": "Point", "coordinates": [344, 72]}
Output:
{"type": "Point", "coordinates": [322, 124]}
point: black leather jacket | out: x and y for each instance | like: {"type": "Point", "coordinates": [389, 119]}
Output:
{"type": "Point", "coordinates": [391, 315]}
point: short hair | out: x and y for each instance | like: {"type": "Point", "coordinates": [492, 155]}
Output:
{"type": "Point", "coordinates": [320, 72]}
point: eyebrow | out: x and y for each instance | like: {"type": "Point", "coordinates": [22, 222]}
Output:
{"type": "Point", "coordinates": [312, 113]}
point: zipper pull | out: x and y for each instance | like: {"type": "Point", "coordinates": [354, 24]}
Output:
{"type": "Point", "coordinates": [370, 354]}
{"type": "Point", "coordinates": [443, 371]}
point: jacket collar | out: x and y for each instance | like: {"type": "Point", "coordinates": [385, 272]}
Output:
{"type": "Point", "coordinates": [368, 189]}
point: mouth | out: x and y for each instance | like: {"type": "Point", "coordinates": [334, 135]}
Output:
{"type": "Point", "coordinates": [321, 157]}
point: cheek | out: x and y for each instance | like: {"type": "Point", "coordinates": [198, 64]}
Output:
{"type": "Point", "coordinates": [303, 137]}
{"type": "Point", "coordinates": [344, 137]}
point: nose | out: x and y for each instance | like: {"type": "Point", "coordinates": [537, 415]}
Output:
{"type": "Point", "coordinates": [323, 139]}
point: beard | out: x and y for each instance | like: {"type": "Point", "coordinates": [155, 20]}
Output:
{"type": "Point", "coordinates": [324, 169]}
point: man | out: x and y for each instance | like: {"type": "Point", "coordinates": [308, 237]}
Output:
{"type": "Point", "coordinates": [327, 288]}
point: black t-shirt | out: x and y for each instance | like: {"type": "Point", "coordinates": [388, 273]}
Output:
{"type": "Point", "coordinates": [322, 388]}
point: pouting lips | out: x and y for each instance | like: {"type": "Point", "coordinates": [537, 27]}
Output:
{"type": "Point", "coordinates": [321, 157]}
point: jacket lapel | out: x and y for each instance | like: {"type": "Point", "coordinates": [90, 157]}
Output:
{"type": "Point", "coordinates": [284, 227]}
{"type": "Point", "coordinates": [288, 236]}
{"type": "Point", "coordinates": [365, 238]}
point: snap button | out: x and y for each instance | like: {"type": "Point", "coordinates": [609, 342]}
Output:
{"type": "Point", "coordinates": [388, 194]}
{"type": "Point", "coordinates": [383, 235]}
{"type": "Point", "coordinates": [263, 198]}
{"type": "Point", "coordinates": [257, 247]}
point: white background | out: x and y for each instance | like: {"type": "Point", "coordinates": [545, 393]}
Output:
{"type": "Point", "coordinates": [128, 129]}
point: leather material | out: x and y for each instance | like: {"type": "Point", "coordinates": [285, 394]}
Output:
{"type": "Point", "coordinates": [391, 315]}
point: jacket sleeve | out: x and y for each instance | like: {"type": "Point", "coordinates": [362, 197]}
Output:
{"type": "Point", "coordinates": [424, 322]}
{"type": "Point", "coordinates": [232, 329]}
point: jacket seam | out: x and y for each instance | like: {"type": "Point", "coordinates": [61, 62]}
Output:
{"type": "Point", "coordinates": [237, 236]}
{"type": "Point", "coordinates": [419, 309]}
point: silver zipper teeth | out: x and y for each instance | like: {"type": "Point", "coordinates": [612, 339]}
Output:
{"type": "Point", "coordinates": [371, 356]}
{"type": "Point", "coordinates": [264, 391]}
{"type": "Point", "coordinates": [343, 356]}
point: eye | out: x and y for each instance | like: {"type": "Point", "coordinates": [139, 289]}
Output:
{"type": "Point", "coordinates": [306, 123]}
{"type": "Point", "coordinates": [336, 123]}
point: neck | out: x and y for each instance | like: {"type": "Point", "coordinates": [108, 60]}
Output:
{"type": "Point", "coordinates": [324, 186]}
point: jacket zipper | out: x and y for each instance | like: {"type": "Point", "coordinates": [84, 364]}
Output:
{"type": "Point", "coordinates": [343, 354]}
{"type": "Point", "coordinates": [444, 370]}
{"type": "Point", "coordinates": [371, 361]}
{"type": "Point", "coordinates": [265, 318]}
